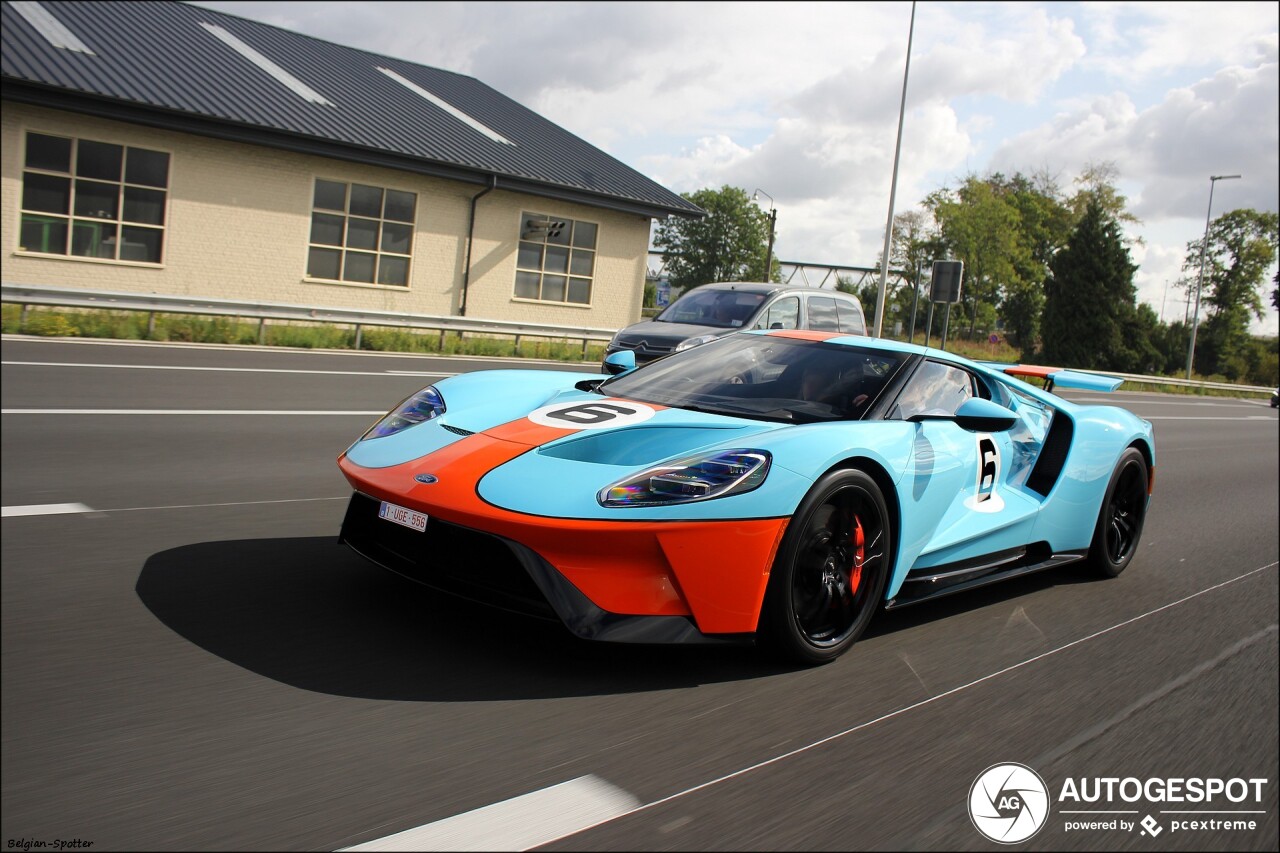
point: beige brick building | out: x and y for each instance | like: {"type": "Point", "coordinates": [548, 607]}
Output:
{"type": "Point", "coordinates": [106, 193]}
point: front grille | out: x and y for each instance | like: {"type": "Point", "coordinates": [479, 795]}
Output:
{"type": "Point", "coordinates": [646, 348]}
{"type": "Point", "coordinates": [446, 556]}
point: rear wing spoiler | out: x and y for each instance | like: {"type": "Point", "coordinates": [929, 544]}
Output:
{"type": "Point", "coordinates": [1057, 376]}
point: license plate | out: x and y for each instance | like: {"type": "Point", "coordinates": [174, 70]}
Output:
{"type": "Point", "coordinates": [405, 517]}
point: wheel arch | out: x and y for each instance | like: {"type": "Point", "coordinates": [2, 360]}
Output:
{"type": "Point", "coordinates": [1148, 456]}
{"type": "Point", "coordinates": [888, 489]}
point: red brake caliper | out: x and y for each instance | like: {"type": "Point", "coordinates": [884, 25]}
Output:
{"type": "Point", "coordinates": [859, 554]}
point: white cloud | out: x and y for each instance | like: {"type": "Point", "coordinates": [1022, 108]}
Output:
{"type": "Point", "coordinates": [1144, 38]}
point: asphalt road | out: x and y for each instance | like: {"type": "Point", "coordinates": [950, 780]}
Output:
{"type": "Point", "coordinates": [191, 662]}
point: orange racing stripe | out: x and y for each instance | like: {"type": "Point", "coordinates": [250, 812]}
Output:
{"type": "Point", "coordinates": [714, 571]}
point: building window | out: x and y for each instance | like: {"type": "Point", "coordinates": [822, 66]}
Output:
{"type": "Point", "coordinates": [93, 199]}
{"type": "Point", "coordinates": [557, 259]}
{"type": "Point", "coordinates": [361, 233]}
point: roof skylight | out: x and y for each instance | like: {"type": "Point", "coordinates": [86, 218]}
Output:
{"type": "Point", "coordinates": [297, 86]}
{"type": "Point", "coordinates": [447, 107]}
{"type": "Point", "coordinates": [53, 30]}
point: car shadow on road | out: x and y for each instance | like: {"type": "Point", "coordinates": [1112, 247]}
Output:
{"type": "Point", "coordinates": [310, 613]}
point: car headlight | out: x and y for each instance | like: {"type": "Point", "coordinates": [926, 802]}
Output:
{"type": "Point", "coordinates": [693, 478]}
{"type": "Point", "coordinates": [695, 342]}
{"type": "Point", "coordinates": [419, 408]}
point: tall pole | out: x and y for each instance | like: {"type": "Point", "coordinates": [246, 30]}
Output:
{"type": "Point", "coordinates": [773, 222]}
{"type": "Point", "coordinates": [893, 185]}
{"type": "Point", "coordinates": [915, 299]}
{"type": "Point", "coordinates": [768, 255]}
{"type": "Point", "coordinates": [1195, 319]}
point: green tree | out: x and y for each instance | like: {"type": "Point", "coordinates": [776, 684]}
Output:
{"type": "Point", "coordinates": [1089, 296]}
{"type": "Point", "coordinates": [981, 229]}
{"type": "Point", "coordinates": [1097, 185]}
{"type": "Point", "coordinates": [729, 244]}
{"type": "Point", "coordinates": [917, 243]}
{"type": "Point", "coordinates": [1044, 225]}
{"type": "Point", "coordinates": [1241, 249]}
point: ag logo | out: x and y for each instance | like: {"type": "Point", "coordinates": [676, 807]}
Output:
{"type": "Point", "coordinates": [1008, 803]}
{"type": "Point", "coordinates": [591, 415]}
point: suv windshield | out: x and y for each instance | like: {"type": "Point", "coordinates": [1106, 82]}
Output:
{"type": "Point", "coordinates": [703, 306]}
{"type": "Point", "coordinates": [764, 377]}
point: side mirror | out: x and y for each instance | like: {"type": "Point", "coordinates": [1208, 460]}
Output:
{"type": "Point", "coordinates": [620, 362]}
{"type": "Point", "coordinates": [979, 415]}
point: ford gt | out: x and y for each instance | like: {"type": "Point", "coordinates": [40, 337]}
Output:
{"type": "Point", "coordinates": [772, 486]}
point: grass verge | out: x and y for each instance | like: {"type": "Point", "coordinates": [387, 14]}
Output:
{"type": "Point", "coordinates": [187, 328]}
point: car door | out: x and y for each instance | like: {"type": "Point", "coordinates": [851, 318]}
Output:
{"type": "Point", "coordinates": [960, 502]}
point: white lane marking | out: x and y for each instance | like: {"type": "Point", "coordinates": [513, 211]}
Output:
{"type": "Point", "coordinates": [520, 823]}
{"type": "Point", "coordinates": [953, 691]}
{"type": "Point", "coordinates": [419, 373]}
{"type": "Point", "coordinates": [186, 412]}
{"type": "Point", "coordinates": [383, 373]}
{"type": "Point", "coordinates": [1218, 401]}
{"type": "Point", "coordinates": [1208, 418]}
{"type": "Point", "coordinates": [56, 509]}
{"type": "Point", "coordinates": [228, 503]}
{"type": "Point", "coordinates": [43, 509]}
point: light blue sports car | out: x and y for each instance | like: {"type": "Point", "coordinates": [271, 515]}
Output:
{"type": "Point", "coordinates": [779, 486]}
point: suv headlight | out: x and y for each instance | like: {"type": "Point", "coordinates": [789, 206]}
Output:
{"type": "Point", "coordinates": [695, 342]}
{"type": "Point", "coordinates": [419, 408]}
{"type": "Point", "coordinates": [693, 478]}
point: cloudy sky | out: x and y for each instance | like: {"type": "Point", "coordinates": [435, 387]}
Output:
{"type": "Point", "coordinates": [801, 100]}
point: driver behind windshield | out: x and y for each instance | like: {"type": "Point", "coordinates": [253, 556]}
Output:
{"type": "Point", "coordinates": [825, 382]}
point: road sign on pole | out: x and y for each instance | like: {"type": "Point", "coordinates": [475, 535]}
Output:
{"type": "Point", "coordinates": [945, 286]}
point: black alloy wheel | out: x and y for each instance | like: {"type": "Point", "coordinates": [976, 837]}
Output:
{"type": "Point", "coordinates": [829, 577]}
{"type": "Point", "coordinates": [1124, 509]}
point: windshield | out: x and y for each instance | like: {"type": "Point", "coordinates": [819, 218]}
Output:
{"type": "Point", "coordinates": [764, 377]}
{"type": "Point", "coordinates": [703, 306]}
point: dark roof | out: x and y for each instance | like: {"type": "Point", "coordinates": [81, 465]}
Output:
{"type": "Point", "coordinates": [153, 63]}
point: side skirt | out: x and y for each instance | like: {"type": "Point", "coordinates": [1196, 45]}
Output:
{"type": "Point", "coordinates": [937, 581]}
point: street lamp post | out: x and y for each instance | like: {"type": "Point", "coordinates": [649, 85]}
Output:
{"type": "Point", "coordinates": [893, 184]}
{"type": "Point", "coordinates": [1195, 319]}
{"type": "Point", "coordinates": [773, 221]}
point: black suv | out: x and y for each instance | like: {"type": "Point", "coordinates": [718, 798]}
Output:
{"type": "Point", "coordinates": [712, 311]}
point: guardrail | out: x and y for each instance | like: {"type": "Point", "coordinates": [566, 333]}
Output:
{"type": "Point", "coordinates": [34, 294]}
{"type": "Point", "coordinates": [1185, 383]}
{"type": "Point", "coordinates": [26, 294]}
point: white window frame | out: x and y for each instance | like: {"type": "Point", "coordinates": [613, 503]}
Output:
{"type": "Point", "coordinates": [72, 219]}
{"type": "Point", "coordinates": [378, 252]}
{"type": "Point", "coordinates": [528, 236]}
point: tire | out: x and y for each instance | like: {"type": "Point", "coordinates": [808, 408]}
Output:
{"type": "Point", "coordinates": [829, 576]}
{"type": "Point", "coordinates": [1120, 520]}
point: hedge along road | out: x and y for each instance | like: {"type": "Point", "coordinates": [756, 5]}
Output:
{"type": "Point", "coordinates": [190, 661]}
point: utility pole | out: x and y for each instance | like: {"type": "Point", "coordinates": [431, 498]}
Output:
{"type": "Point", "coordinates": [893, 184]}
